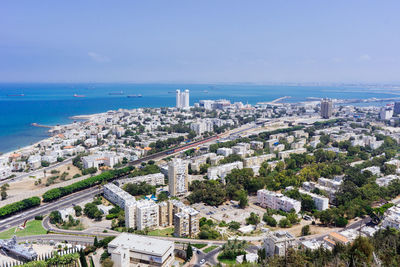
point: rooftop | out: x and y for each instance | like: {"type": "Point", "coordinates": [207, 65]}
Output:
{"type": "Point", "coordinates": [142, 244]}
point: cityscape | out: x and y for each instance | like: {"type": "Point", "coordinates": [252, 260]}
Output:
{"type": "Point", "coordinates": [189, 136]}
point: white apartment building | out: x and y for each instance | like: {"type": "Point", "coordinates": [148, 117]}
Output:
{"type": "Point", "coordinates": [178, 177]}
{"type": "Point", "coordinates": [286, 154]}
{"type": "Point", "coordinates": [386, 180]}
{"type": "Point", "coordinates": [321, 202]}
{"type": "Point", "coordinates": [117, 196]}
{"type": "Point", "coordinates": [224, 151]}
{"type": "Point", "coordinates": [202, 126]}
{"type": "Point", "coordinates": [392, 218]}
{"type": "Point", "coordinates": [221, 171]}
{"type": "Point", "coordinates": [152, 179]}
{"type": "Point", "coordinates": [146, 214]}
{"type": "Point", "coordinates": [137, 250]}
{"type": "Point", "coordinates": [257, 161]}
{"type": "Point", "coordinates": [276, 243]}
{"type": "Point", "coordinates": [182, 99]}
{"type": "Point", "coordinates": [277, 201]}
{"type": "Point", "coordinates": [101, 159]}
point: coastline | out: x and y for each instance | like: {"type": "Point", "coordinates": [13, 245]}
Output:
{"type": "Point", "coordinates": [81, 118]}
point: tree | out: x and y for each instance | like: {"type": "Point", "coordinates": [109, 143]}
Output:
{"type": "Point", "coordinates": [305, 230]}
{"type": "Point", "coordinates": [163, 196]}
{"type": "Point", "coordinates": [55, 217]}
{"type": "Point", "coordinates": [78, 210]}
{"type": "Point", "coordinates": [189, 252]}
{"type": "Point", "coordinates": [269, 220]}
{"type": "Point", "coordinates": [253, 219]}
{"type": "Point", "coordinates": [243, 199]}
{"type": "Point", "coordinates": [45, 163]}
{"type": "Point", "coordinates": [96, 242]}
{"type": "Point", "coordinates": [234, 225]}
{"type": "Point", "coordinates": [284, 223]}
{"type": "Point", "coordinates": [3, 195]}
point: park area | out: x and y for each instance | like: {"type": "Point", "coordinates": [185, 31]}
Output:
{"type": "Point", "coordinates": [33, 227]}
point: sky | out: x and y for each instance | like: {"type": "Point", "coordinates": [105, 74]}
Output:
{"type": "Point", "coordinates": [203, 41]}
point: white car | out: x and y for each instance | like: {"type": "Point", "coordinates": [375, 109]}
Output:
{"type": "Point", "coordinates": [202, 261]}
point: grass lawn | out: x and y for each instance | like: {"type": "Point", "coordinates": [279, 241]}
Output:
{"type": "Point", "coordinates": [199, 246]}
{"type": "Point", "coordinates": [32, 228]}
{"type": "Point", "coordinates": [209, 249]}
{"type": "Point", "coordinates": [162, 232]}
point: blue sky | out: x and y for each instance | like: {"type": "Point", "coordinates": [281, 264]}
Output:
{"type": "Point", "coordinates": [200, 41]}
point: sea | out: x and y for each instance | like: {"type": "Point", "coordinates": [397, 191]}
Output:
{"type": "Point", "coordinates": [54, 103]}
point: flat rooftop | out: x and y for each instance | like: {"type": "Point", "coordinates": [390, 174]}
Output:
{"type": "Point", "coordinates": [142, 244]}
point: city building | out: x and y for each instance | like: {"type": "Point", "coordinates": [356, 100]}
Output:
{"type": "Point", "coordinates": [321, 202]}
{"type": "Point", "coordinates": [100, 159]}
{"type": "Point", "coordinates": [117, 196]}
{"type": "Point", "coordinates": [277, 242]}
{"type": "Point", "coordinates": [186, 222]}
{"type": "Point", "coordinates": [178, 177]}
{"type": "Point", "coordinates": [137, 250]}
{"type": "Point", "coordinates": [277, 201]}
{"type": "Point", "coordinates": [257, 160]}
{"type": "Point", "coordinates": [397, 108]}
{"type": "Point", "coordinates": [214, 173]}
{"type": "Point", "coordinates": [326, 108]}
{"type": "Point", "coordinates": [386, 113]}
{"type": "Point", "coordinates": [152, 179]}
{"type": "Point", "coordinates": [182, 99]}
{"type": "Point", "coordinates": [146, 214]}
{"type": "Point", "coordinates": [392, 218]}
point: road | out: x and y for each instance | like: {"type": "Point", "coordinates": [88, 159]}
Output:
{"type": "Point", "coordinates": [62, 203]}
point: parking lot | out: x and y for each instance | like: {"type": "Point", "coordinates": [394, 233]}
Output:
{"type": "Point", "coordinates": [226, 212]}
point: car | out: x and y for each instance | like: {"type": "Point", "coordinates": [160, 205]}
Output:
{"type": "Point", "coordinates": [202, 261]}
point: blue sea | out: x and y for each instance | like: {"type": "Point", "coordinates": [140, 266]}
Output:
{"type": "Point", "coordinates": [52, 104]}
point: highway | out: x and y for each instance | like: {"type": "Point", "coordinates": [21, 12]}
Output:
{"type": "Point", "coordinates": [62, 203]}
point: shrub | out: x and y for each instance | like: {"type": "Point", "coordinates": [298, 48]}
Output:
{"type": "Point", "coordinates": [15, 207]}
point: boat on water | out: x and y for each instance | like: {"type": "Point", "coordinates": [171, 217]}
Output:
{"type": "Point", "coordinates": [75, 95]}
{"type": "Point", "coordinates": [134, 96]}
{"type": "Point", "coordinates": [116, 93]}
{"type": "Point", "coordinates": [16, 95]}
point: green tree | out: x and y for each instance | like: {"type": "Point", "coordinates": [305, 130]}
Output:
{"type": "Point", "coordinates": [78, 210]}
{"type": "Point", "coordinates": [55, 217]}
{"type": "Point", "coordinates": [253, 219]}
{"type": "Point", "coordinates": [3, 195]}
{"type": "Point", "coordinates": [189, 252]}
{"type": "Point", "coordinates": [305, 230]}
{"type": "Point", "coordinates": [269, 220]}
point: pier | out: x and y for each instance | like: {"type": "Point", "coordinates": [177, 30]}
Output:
{"type": "Point", "coordinates": [41, 125]}
{"type": "Point", "coordinates": [273, 101]}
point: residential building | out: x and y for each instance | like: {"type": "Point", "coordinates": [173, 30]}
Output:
{"type": "Point", "coordinates": [326, 108]}
{"type": "Point", "coordinates": [321, 202]}
{"type": "Point", "coordinates": [182, 99]}
{"type": "Point", "coordinates": [117, 196]}
{"type": "Point", "coordinates": [277, 243]}
{"type": "Point", "coordinates": [277, 201]}
{"type": "Point", "coordinates": [221, 171]}
{"type": "Point", "coordinates": [152, 179]}
{"type": "Point", "coordinates": [178, 177]}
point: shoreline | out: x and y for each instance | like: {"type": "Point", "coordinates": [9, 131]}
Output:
{"type": "Point", "coordinates": [80, 118]}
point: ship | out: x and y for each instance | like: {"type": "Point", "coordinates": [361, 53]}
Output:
{"type": "Point", "coordinates": [134, 96]}
{"type": "Point", "coordinates": [16, 95]}
{"type": "Point", "coordinates": [116, 93]}
{"type": "Point", "coordinates": [75, 95]}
